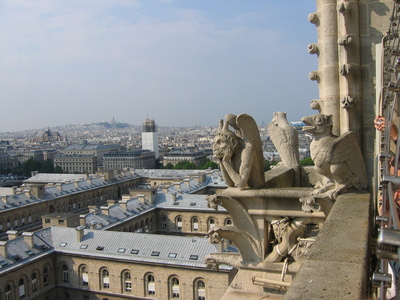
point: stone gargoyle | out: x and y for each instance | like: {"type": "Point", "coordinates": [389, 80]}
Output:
{"type": "Point", "coordinates": [285, 138]}
{"type": "Point", "coordinates": [337, 159]}
{"type": "Point", "coordinates": [239, 152]}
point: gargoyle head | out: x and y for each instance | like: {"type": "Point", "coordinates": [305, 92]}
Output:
{"type": "Point", "coordinates": [318, 124]}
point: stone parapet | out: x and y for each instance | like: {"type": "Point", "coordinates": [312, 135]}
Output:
{"type": "Point", "coordinates": [337, 265]}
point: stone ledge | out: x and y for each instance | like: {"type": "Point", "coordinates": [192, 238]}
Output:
{"type": "Point", "coordinates": [337, 264]}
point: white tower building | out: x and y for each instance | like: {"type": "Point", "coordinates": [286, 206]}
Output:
{"type": "Point", "coordinates": [150, 137]}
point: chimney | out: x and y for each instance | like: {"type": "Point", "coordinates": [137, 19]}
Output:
{"type": "Point", "coordinates": [153, 195]}
{"type": "Point", "coordinates": [89, 180]}
{"type": "Point", "coordinates": [34, 173]}
{"type": "Point", "coordinates": [141, 198]}
{"type": "Point", "coordinates": [80, 233]}
{"type": "Point", "coordinates": [126, 197]}
{"type": "Point", "coordinates": [202, 177]}
{"type": "Point", "coordinates": [173, 197]}
{"type": "Point", "coordinates": [82, 220]}
{"type": "Point", "coordinates": [13, 189]}
{"type": "Point", "coordinates": [110, 202]}
{"type": "Point", "coordinates": [94, 211]}
{"type": "Point", "coordinates": [3, 248]}
{"type": "Point", "coordinates": [93, 225]}
{"type": "Point", "coordinates": [76, 183]}
{"type": "Point", "coordinates": [105, 210]}
{"type": "Point", "coordinates": [59, 186]}
{"type": "Point", "coordinates": [38, 190]}
{"type": "Point", "coordinates": [106, 175]}
{"type": "Point", "coordinates": [27, 193]}
{"type": "Point", "coordinates": [12, 234]}
{"type": "Point", "coordinates": [28, 238]}
{"type": "Point", "coordinates": [177, 185]}
{"type": "Point", "coordinates": [123, 204]}
{"type": "Point", "coordinates": [164, 189]}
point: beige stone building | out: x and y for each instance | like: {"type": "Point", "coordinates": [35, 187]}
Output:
{"type": "Point", "coordinates": [110, 257]}
{"type": "Point", "coordinates": [174, 157]}
{"type": "Point", "coordinates": [136, 159]}
{"type": "Point", "coordinates": [76, 163]}
{"type": "Point", "coordinates": [68, 263]}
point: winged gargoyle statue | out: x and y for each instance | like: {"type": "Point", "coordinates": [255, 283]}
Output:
{"type": "Point", "coordinates": [338, 159]}
{"type": "Point", "coordinates": [240, 153]}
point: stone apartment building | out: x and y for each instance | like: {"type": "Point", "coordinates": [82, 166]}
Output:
{"type": "Point", "coordinates": [135, 159]}
{"type": "Point", "coordinates": [116, 261]}
{"type": "Point", "coordinates": [83, 158]}
{"type": "Point", "coordinates": [69, 263]}
{"type": "Point", "coordinates": [176, 156]}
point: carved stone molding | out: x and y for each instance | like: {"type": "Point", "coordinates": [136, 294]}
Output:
{"type": "Point", "coordinates": [313, 18]}
{"type": "Point", "coordinates": [314, 76]}
{"type": "Point", "coordinates": [313, 48]}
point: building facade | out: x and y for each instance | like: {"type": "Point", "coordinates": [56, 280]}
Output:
{"type": "Point", "coordinates": [176, 156]}
{"type": "Point", "coordinates": [150, 137]}
{"type": "Point", "coordinates": [136, 159]}
{"type": "Point", "coordinates": [76, 263]}
{"type": "Point", "coordinates": [76, 163]}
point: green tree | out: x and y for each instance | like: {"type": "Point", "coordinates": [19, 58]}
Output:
{"type": "Point", "coordinates": [206, 163]}
{"type": "Point", "coordinates": [185, 165]}
{"type": "Point", "coordinates": [33, 165]}
{"type": "Point", "coordinates": [168, 166]}
{"type": "Point", "coordinates": [307, 162]}
{"type": "Point", "coordinates": [268, 164]}
{"type": "Point", "coordinates": [58, 169]}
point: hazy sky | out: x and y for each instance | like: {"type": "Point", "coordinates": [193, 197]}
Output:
{"type": "Point", "coordinates": [181, 62]}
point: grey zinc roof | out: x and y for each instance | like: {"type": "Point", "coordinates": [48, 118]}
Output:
{"type": "Point", "coordinates": [54, 178]}
{"type": "Point", "coordinates": [20, 252]}
{"type": "Point", "coordinates": [160, 173]}
{"type": "Point", "coordinates": [184, 201]}
{"type": "Point", "coordinates": [89, 146]}
{"type": "Point", "coordinates": [118, 245]}
{"type": "Point", "coordinates": [116, 213]}
{"type": "Point", "coordinates": [17, 200]}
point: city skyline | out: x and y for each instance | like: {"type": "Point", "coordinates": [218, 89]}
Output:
{"type": "Point", "coordinates": [184, 63]}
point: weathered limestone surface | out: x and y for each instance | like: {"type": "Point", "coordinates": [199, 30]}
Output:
{"type": "Point", "coordinates": [337, 158]}
{"type": "Point", "coordinates": [285, 138]}
{"type": "Point", "coordinates": [337, 265]}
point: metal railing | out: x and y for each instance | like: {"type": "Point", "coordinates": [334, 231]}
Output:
{"type": "Point", "coordinates": [387, 210]}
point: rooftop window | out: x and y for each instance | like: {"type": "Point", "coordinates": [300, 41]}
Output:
{"type": "Point", "coordinates": [121, 250]}
{"type": "Point", "coordinates": [100, 248]}
{"type": "Point", "coordinates": [134, 251]}
{"type": "Point", "coordinates": [63, 244]}
{"type": "Point", "coordinates": [155, 253]}
{"type": "Point", "coordinates": [83, 246]}
{"type": "Point", "coordinates": [172, 255]}
{"type": "Point", "coordinates": [3, 263]}
{"type": "Point", "coordinates": [193, 257]}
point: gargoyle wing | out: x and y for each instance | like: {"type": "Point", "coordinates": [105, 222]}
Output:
{"type": "Point", "coordinates": [251, 134]}
{"type": "Point", "coordinates": [345, 149]}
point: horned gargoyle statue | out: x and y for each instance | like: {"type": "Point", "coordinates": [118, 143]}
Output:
{"type": "Point", "coordinates": [337, 159]}
{"type": "Point", "coordinates": [240, 153]}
